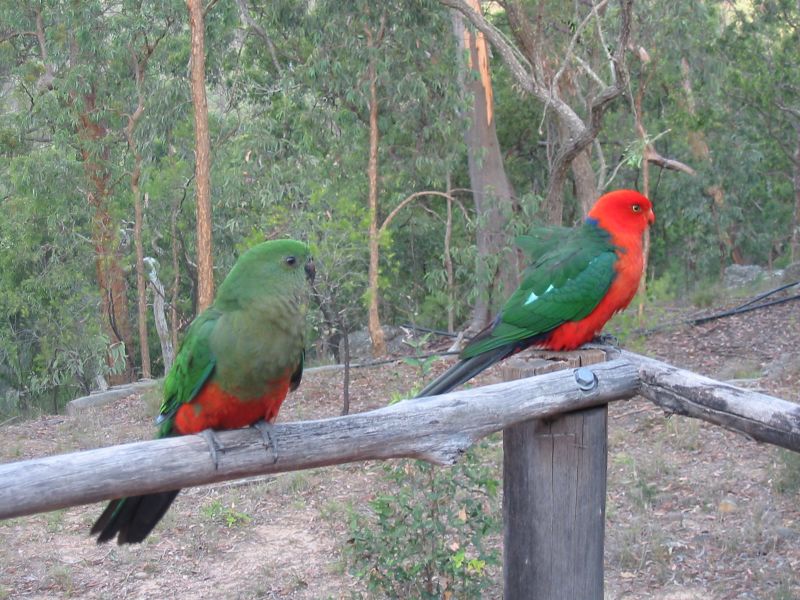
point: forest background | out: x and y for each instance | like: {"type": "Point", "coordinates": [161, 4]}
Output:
{"type": "Point", "coordinates": [408, 142]}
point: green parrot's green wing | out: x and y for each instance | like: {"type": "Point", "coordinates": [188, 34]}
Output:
{"type": "Point", "coordinates": [565, 283]}
{"type": "Point", "coordinates": [194, 364]}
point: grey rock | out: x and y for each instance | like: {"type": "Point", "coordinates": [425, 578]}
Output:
{"type": "Point", "coordinates": [741, 275]}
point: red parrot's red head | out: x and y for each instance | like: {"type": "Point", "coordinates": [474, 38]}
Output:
{"type": "Point", "coordinates": [623, 211]}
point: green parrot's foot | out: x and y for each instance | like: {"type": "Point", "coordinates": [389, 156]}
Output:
{"type": "Point", "coordinates": [214, 446]}
{"type": "Point", "coordinates": [606, 339]}
{"type": "Point", "coordinates": [266, 430]}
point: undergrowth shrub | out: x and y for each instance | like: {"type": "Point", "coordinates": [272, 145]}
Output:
{"type": "Point", "coordinates": [433, 534]}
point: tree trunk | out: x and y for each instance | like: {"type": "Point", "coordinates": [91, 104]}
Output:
{"type": "Point", "coordinates": [496, 270]}
{"type": "Point", "coordinates": [374, 321]}
{"type": "Point", "coordinates": [112, 285]}
{"type": "Point", "coordinates": [176, 272]}
{"type": "Point", "coordinates": [585, 182]}
{"type": "Point", "coordinates": [139, 66]}
{"type": "Point", "coordinates": [583, 175]}
{"type": "Point", "coordinates": [448, 260]}
{"type": "Point", "coordinates": [141, 290]}
{"type": "Point", "coordinates": [160, 317]}
{"type": "Point", "coordinates": [346, 361]}
{"type": "Point", "coordinates": [110, 275]}
{"type": "Point", "coordinates": [794, 248]}
{"type": "Point", "coordinates": [205, 264]}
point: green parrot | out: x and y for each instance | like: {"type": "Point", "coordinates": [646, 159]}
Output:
{"type": "Point", "coordinates": [238, 361]}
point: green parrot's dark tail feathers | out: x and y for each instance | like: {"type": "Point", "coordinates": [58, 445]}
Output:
{"type": "Point", "coordinates": [132, 519]}
{"type": "Point", "coordinates": [466, 369]}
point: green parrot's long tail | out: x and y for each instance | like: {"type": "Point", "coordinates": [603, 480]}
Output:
{"type": "Point", "coordinates": [466, 369]}
{"type": "Point", "coordinates": [132, 518]}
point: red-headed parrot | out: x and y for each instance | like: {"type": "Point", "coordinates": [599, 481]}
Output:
{"type": "Point", "coordinates": [239, 359]}
{"type": "Point", "coordinates": [578, 279]}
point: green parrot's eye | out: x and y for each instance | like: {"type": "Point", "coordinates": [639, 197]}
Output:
{"type": "Point", "coordinates": [290, 260]}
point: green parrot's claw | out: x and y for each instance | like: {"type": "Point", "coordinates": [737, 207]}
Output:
{"type": "Point", "coordinates": [266, 430]}
{"type": "Point", "coordinates": [214, 447]}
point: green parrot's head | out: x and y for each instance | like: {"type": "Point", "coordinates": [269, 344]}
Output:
{"type": "Point", "coordinates": [273, 268]}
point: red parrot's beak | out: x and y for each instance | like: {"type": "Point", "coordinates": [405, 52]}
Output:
{"type": "Point", "coordinates": [311, 271]}
{"type": "Point", "coordinates": [651, 216]}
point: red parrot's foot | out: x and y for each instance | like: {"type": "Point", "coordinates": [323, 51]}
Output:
{"type": "Point", "coordinates": [214, 447]}
{"type": "Point", "coordinates": [269, 440]}
{"type": "Point", "coordinates": [606, 339]}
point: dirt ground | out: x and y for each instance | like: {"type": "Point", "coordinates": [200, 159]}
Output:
{"type": "Point", "coordinates": [693, 511]}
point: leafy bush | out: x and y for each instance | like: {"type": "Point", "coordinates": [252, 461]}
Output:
{"type": "Point", "coordinates": [431, 536]}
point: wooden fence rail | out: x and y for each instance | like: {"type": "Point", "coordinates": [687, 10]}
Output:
{"type": "Point", "coordinates": [555, 456]}
{"type": "Point", "coordinates": [759, 416]}
{"type": "Point", "coordinates": [437, 429]}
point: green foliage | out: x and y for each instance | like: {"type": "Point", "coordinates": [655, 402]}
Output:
{"type": "Point", "coordinates": [662, 289]}
{"type": "Point", "coordinates": [787, 472]}
{"type": "Point", "coordinates": [421, 362]}
{"type": "Point", "coordinates": [430, 535]}
{"type": "Point", "coordinates": [707, 293]}
{"type": "Point", "coordinates": [227, 515]}
{"type": "Point", "coordinates": [51, 344]}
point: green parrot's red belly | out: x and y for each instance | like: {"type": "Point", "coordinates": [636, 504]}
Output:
{"type": "Point", "coordinates": [217, 409]}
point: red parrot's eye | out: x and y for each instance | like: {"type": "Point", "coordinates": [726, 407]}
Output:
{"type": "Point", "coordinates": [636, 208]}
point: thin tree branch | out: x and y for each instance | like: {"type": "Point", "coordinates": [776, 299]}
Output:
{"type": "Point", "coordinates": [574, 40]}
{"type": "Point", "coordinates": [652, 156]}
{"type": "Point", "coordinates": [413, 197]}
{"type": "Point", "coordinates": [251, 23]}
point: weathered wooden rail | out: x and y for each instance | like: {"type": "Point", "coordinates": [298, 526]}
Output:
{"type": "Point", "coordinates": [554, 455]}
{"type": "Point", "coordinates": [437, 429]}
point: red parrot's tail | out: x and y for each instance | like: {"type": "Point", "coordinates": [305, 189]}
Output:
{"type": "Point", "coordinates": [466, 369]}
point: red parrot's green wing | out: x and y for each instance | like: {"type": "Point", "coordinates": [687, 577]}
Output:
{"type": "Point", "coordinates": [569, 277]}
{"type": "Point", "coordinates": [543, 239]}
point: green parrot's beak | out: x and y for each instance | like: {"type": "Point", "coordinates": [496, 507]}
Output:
{"type": "Point", "coordinates": [311, 271]}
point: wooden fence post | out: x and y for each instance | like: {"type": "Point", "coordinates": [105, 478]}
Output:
{"type": "Point", "coordinates": [554, 490]}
